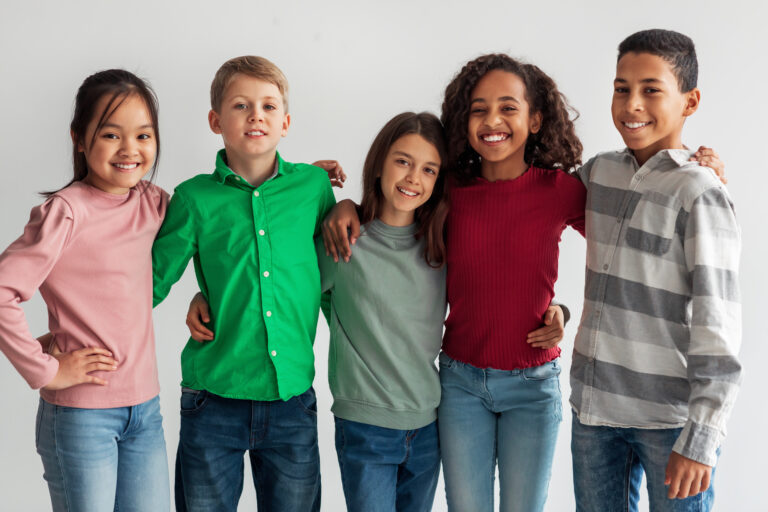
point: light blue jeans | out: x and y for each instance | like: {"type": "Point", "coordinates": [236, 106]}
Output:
{"type": "Point", "coordinates": [487, 415]}
{"type": "Point", "coordinates": [104, 459]}
{"type": "Point", "coordinates": [608, 466]}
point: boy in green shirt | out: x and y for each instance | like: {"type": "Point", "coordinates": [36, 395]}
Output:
{"type": "Point", "coordinates": [249, 229]}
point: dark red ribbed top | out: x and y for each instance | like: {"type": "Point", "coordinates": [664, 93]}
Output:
{"type": "Point", "coordinates": [502, 245]}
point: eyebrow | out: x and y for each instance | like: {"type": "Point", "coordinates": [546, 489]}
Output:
{"type": "Point", "coordinates": [644, 81]}
{"type": "Point", "coordinates": [409, 156]}
{"type": "Point", "coordinates": [115, 125]}
{"type": "Point", "coordinates": [242, 96]}
{"type": "Point", "coordinates": [502, 98]}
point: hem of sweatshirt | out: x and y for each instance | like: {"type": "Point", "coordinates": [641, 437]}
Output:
{"type": "Point", "coordinates": [51, 398]}
{"type": "Point", "coordinates": [239, 395]}
{"type": "Point", "coordinates": [382, 416]}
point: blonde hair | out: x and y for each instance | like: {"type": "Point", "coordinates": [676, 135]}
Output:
{"type": "Point", "coordinates": [250, 65]}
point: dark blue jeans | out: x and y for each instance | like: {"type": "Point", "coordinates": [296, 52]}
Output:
{"type": "Point", "coordinates": [608, 466]}
{"type": "Point", "coordinates": [280, 438]}
{"type": "Point", "coordinates": [386, 470]}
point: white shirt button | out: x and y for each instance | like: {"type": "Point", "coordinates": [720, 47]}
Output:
{"type": "Point", "coordinates": [261, 232]}
{"type": "Point", "coordinates": [266, 274]}
{"type": "Point", "coordinates": [605, 267]}
{"type": "Point", "coordinates": [269, 313]}
{"type": "Point", "coordinates": [256, 193]}
{"type": "Point", "coordinates": [274, 353]}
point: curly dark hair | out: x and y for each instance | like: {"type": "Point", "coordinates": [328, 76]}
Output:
{"type": "Point", "coordinates": [554, 146]}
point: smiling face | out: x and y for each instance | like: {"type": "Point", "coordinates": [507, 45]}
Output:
{"type": "Point", "coordinates": [252, 119]}
{"type": "Point", "coordinates": [500, 121]}
{"type": "Point", "coordinates": [648, 108]}
{"type": "Point", "coordinates": [407, 178]}
{"type": "Point", "coordinates": [123, 149]}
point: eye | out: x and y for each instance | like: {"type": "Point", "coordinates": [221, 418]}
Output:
{"type": "Point", "coordinates": [430, 170]}
{"type": "Point", "coordinates": [651, 90]}
{"type": "Point", "coordinates": [621, 90]}
{"type": "Point", "coordinates": [477, 111]}
{"type": "Point", "coordinates": [110, 136]}
{"type": "Point", "coordinates": [144, 136]}
{"type": "Point", "coordinates": [240, 106]}
{"type": "Point", "coordinates": [402, 161]}
{"type": "Point", "coordinates": [508, 108]}
{"type": "Point", "coordinates": [270, 107]}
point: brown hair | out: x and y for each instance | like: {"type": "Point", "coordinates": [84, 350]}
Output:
{"type": "Point", "coordinates": [118, 84]}
{"type": "Point", "coordinates": [250, 65]}
{"type": "Point", "coordinates": [430, 217]}
{"type": "Point", "coordinates": [554, 146]}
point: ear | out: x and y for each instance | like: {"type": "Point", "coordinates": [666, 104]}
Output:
{"type": "Point", "coordinates": [535, 124]}
{"type": "Point", "coordinates": [692, 99]}
{"type": "Point", "coordinates": [77, 143]}
{"type": "Point", "coordinates": [286, 124]}
{"type": "Point", "coordinates": [213, 122]}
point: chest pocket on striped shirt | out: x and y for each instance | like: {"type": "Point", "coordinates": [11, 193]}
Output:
{"type": "Point", "coordinates": [652, 225]}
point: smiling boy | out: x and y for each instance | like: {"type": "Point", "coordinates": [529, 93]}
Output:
{"type": "Point", "coordinates": [655, 370]}
{"type": "Point", "coordinates": [249, 228]}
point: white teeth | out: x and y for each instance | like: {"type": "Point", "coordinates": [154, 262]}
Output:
{"type": "Point", "coordinates": [407, 192]}
{"type": "Point", "coordinates": [494, 138]}
{"type": "Point", "coordinates": [632, 126]}
{"type": "Point", "coordinates": [257, 133]}
{"type": "Point", "coordinates": [126, 166]}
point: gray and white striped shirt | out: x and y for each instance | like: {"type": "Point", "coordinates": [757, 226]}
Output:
{"type": "Point", "coordinates": [659, 335]}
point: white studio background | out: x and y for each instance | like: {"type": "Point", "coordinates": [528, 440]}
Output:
{"type": "Point", "coordinates": [351, 66]}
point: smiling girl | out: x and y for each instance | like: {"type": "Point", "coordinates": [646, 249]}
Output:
{"type": "Point", "coordinates": [88, 250]}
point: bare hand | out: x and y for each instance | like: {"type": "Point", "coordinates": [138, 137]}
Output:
{"type": "Point", "coordinates": [686, 477]}
{"type": "Point", "coordinates": [334, 170]}
{"type": "Point", "coordinates": [708, 158]}
{"type": "Point", "coordinates": [197, 315]}
{"type": "Point", "coordinates": [336, 230]}
{"type": "Point", "coordinates": [551, 333]}
{"type": "Point", "coordinates": [75, 367]}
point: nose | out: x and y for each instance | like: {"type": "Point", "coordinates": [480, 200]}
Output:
{"type": "Point", "coordinates": [493, 117]}
{"type": "Point", "coordinates": [412, 176]}
{"type": "Point", "coordinates": [257, 114]}
{"type": "Point", "coordinates": [634, 102]}
{"type": "Point", "coordinates": [129, 146]}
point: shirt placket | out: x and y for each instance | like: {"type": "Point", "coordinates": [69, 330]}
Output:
{"type": "Point", "coordinates": [264, 246]}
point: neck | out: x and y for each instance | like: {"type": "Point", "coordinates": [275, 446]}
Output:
{"type": "Point", "coordinates": [396, 218]}
{"type": "Point", "coordinates": [254, 170]}
{"type": "Point", "coordinates": [495, 171]}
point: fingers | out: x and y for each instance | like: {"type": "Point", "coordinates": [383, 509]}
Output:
{"type": "Point", "coordinates": [549, 315]}
{"type": "Point", "coordinates": [545, 337]}
{"type": "Point", "coordinates": [197, 330]}
{"type": "Point", "coordinates": [335, 172]}
{"type": "Point", "coordinates": [90, 379]}
{"type": "Point", "coordinates": [705, 481]}
{"type": "Point", "coordinates": [674, 485]}
{"type": "Point", "coordinates": [330, 246]}
{"type": "Point", "coordinates": [686, 482]}
{"type": "Point", "coordinates": [93, 351]}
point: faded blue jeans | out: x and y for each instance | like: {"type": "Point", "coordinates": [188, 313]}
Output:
{"type": "Point", "coordinates": [104, 459]}
{"type": "Point", "coordinates": [489, 415]}
{"type": "Point", "coordinates": [608, 465]}
{"type": "Point", "coordinates": [279, 436]}
{"type": "Point", "coordinates": [387, 470]}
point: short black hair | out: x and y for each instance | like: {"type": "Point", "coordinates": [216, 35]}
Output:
{"type": "Point", "coordinates": [674, 47]}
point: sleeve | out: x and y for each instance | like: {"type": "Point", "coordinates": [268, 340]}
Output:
{"type": "Point", "coordinates": [175, 244]}
{"type": "Point", "coordinates": [566, 311]}
{"type": "Point", "coordinates": [327, 200]}
{"type": "Point", "coordinates": [573, 199]}
{"type": "Point", "coordinates": [327, 276]}
{"type": "Point", "coordinates": [584, 172]}
{"type": "Point", "coordinates": [712, 246]}
{"type": "Point", "coordinates": [24, 266]}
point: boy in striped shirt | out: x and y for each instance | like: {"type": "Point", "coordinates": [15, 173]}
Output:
{"type": "Point", "coordinates": [655, 370]}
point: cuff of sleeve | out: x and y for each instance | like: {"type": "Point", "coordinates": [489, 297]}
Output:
{"type": "Point", "coordinates": [46, 375]}
{"type": "Point", "coordinates": [699, 442]}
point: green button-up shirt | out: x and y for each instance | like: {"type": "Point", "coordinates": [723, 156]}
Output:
{"type": "Point", "coordinates": [256, 265]}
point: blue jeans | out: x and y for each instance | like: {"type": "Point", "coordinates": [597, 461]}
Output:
{"type": "Point", "coordinates": [383, 469]}
{"type": "Point", "coordinates": [104, 459]}
{"type": "Point", "coordinates": [280, 437]}
{"type": "Point", "coordinates": [487, 415]}
{"type": "Point", "coordinates": [608, 465]}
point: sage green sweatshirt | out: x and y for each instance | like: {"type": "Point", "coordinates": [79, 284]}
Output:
{"type": "Point", "coordinates": [387, 308]}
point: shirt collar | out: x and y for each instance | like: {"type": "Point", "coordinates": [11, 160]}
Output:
{"type": "Point", "coordinates": [663, 159]}
{"type": "Point", "coordinates": [222, 171]}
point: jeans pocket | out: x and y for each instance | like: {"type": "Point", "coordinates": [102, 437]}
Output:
{"type": "Point", "coordinates": [192, 400]}
{"type": "Point", "coordinates": [307, 401]}
{"type": "Point", "coordinates": [445, 361]}
{"type": "Point", "coordinates": [545, 371]}
{"type": "Point", "coordinates": [39, 422]}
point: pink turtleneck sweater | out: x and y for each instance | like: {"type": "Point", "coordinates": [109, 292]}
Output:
{"type": "Point", "coordinates": [90, 255]}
